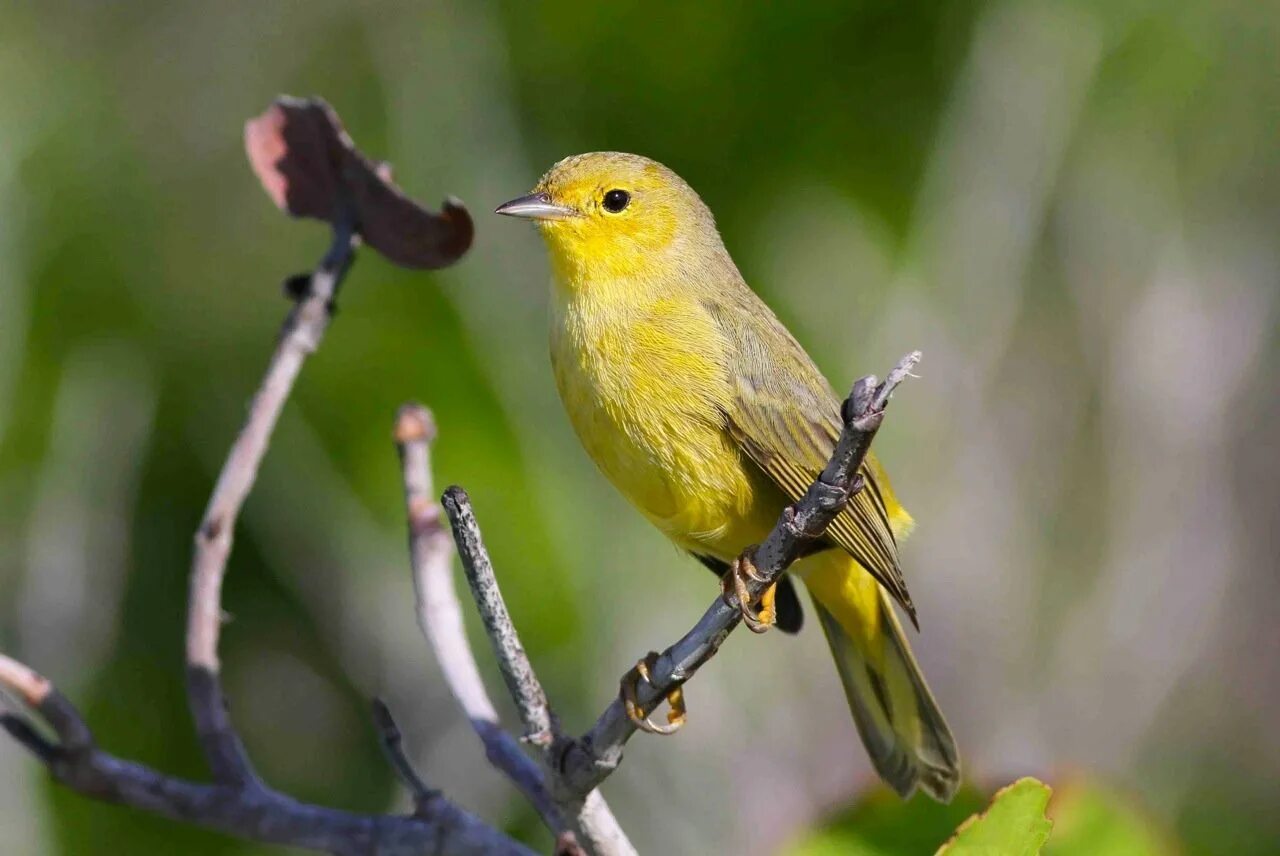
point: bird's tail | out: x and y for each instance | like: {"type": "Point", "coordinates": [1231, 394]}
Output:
{"type": "Point", "coordinates": [905, 734]}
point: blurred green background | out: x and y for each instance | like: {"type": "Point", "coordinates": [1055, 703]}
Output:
{"type": "Point", "coordinates": [1071, 208]}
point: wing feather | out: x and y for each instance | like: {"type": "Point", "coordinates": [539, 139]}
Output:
{"type": "Point", "coordinates": [786, 417]}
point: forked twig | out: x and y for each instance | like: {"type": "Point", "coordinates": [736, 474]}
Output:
{"type": "Point", "coordinates": [238, 802]}
{"type": "Point", "coordinates": [577, 822]}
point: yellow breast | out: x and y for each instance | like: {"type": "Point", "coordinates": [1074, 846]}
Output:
{"type": "Point", "coordinates": [644, 386]}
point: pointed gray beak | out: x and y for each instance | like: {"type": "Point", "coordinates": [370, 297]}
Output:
{"type": "Point", "coordinates": [535, 206]}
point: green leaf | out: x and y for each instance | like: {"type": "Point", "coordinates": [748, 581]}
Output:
{"type": "Point", "coordinates": [1014, 825]}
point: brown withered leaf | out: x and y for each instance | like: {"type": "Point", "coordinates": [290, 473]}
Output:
{"type": "Point", "coordinates": [309, 167]}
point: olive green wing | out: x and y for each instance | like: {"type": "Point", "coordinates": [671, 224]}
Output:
{"type": "Point", "coordinates": [786, 418]}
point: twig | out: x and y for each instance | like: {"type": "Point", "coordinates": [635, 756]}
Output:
{"type": "Point", "coordinates": [591, 815]}
{"type": "Point", "coordinates": [440, 617]}
{"type": "Point", "coordinates": [588, 761]}
{"type": "Point", "coordinates": [30, 687]}
{"type": "Point", "coordinates": [256, 813]}
{"type": "Point", "coordinates": [540, 724]}
{"type": "Point", "coordinates": [440, 614]}
{"type": "Point", "coordinates": [303, 330]}
{"type": "Point", "coordinates": [393, 745]}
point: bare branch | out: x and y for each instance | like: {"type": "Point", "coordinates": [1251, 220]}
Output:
{"type": "Point", "coordinates": [440, 615]}
{"type": "Point", "coordinates": [595, 823]}
{"type": "Point", "coordinates": [238, 802]}
{"type": "Point", "coordinates": [540, 725]}
{"type": "Point", "coordinates": [588, 761]}
{"type": "Point", "coordinates": [256, 813]}
{"type": "Point", "coordinates": [30, 687]}
{"type": "Point", "coordinates": [393, 745]}
{"type": "Point", "coordinates": [303, 330]}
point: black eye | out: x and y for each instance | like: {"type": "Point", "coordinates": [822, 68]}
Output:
{"type": "Point", "coordinates": [616, 200]}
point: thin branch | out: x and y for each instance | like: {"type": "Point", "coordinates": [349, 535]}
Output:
{"type": "Point", "coordinates": [32, 690]}
{"type": "Point", "coordinates": [28, 737]}
{"type": "Point", "coordinates": [256, 813]}
{"type": "Point", "coordinates": [568, 816]}
{"type": "Point", "coordinates": [393, 745]}
{"type": "Point", "coordinates": [302, 333]}
{"type": "Point", "coordinates": [595, 823]}
{"type": "Point", "coordinates": [440, 614]}
{"type": "Point", "coordinates": [540, 724]}
{"type": "Point", "coordinates": [30, 687]}
{"type": "Point", "coordinates": [588, 761]}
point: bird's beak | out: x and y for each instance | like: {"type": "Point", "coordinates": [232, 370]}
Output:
{"type": "Point", "coordinates": [535, 206]}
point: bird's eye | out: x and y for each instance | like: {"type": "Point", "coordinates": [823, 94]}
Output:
{"type": "Point", "coordinates": [616, 200]}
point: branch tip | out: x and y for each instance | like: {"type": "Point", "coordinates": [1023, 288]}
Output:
{"type": "Point", "coordinates": [455, 501]}
{"type": "Point", "coordinates": [414, 424]}
{"type": "Point", "coordinates": [32, 687]}
{"type": "Point", "coordinates": [897, 375]}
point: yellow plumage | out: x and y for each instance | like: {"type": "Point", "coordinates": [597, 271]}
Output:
{"type": "Point", "coordinates": [701, 408]}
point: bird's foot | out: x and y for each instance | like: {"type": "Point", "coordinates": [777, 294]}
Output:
{"type": "Point", "coordinates": [635, 711]}
{"type": "Point", "coordinates": [759, 615]}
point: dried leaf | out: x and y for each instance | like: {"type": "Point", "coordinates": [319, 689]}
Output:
{"type": "Point", "coordinates": [309, 167]}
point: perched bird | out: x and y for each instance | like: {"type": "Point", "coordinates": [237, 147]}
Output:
{"type": "Point", "coordinates": [705, 412]}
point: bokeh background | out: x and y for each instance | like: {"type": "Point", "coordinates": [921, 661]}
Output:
{"type": "Point", "coordinates": [1071, 208]}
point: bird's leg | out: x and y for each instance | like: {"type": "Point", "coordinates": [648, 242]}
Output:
{"type": "Point", "coordinates": [635, 711]}
{"type": "Point", "coordinates": [735, 583]}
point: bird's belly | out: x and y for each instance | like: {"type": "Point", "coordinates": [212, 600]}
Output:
{"type": "Point", "coordinates": [651, 424]}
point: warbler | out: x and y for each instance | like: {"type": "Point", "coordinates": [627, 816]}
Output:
{"type": "Point", "coordinates": [701, 408]}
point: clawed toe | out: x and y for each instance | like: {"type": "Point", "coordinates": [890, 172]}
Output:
{"type": "Point", "coordinates": [759, 615]}
{"type": "Point", "coordinates": [635, 711]}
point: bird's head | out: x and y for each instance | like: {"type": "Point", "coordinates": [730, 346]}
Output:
{"type": "Point", "coordinates": [608, 214]}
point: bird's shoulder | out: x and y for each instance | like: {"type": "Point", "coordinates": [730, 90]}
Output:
{"type": "Point", "coordinates": [785, 417]}
{"type": "Point", "coordinates": [770, 370]}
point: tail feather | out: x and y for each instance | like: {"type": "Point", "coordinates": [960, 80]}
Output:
{"type": "Point", "coordinates": [905, 733]}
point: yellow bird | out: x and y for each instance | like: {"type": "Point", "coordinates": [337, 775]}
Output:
{"type": "Point", "coordinates": [705, 412]}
